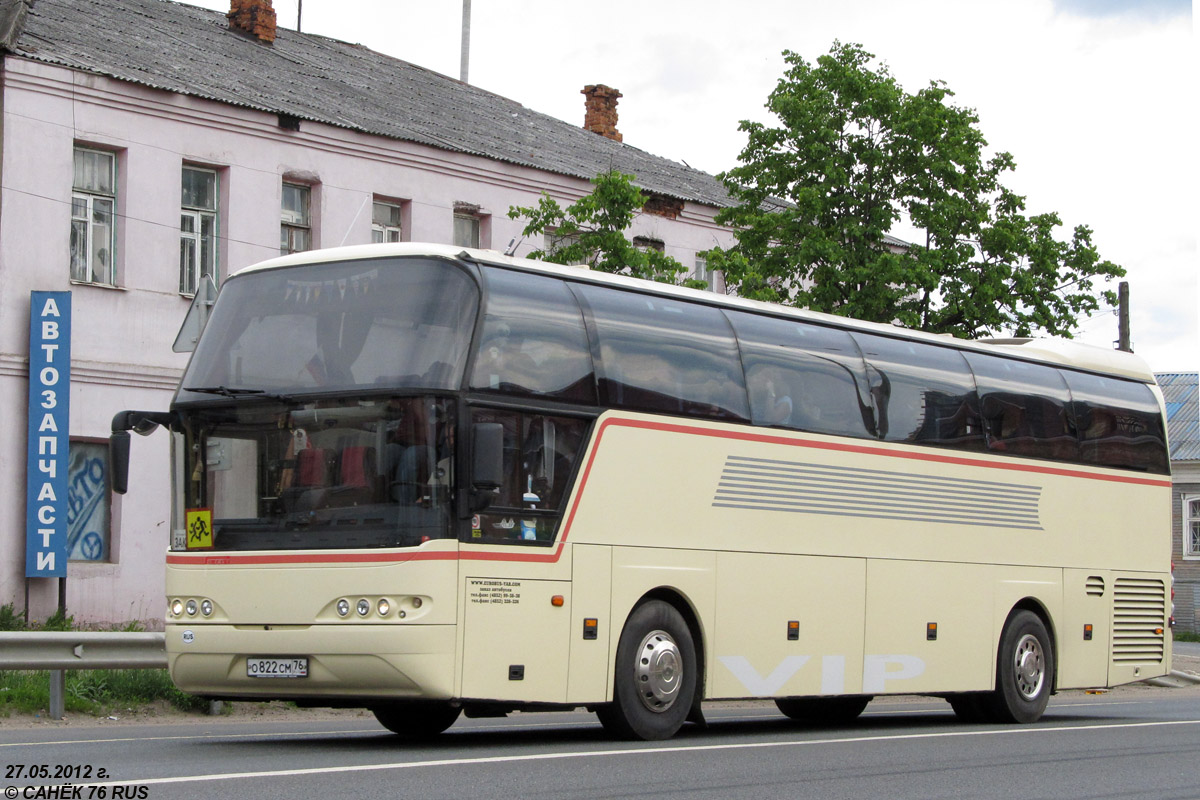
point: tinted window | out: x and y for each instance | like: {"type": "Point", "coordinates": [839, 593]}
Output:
{"type": "Point", "coordinates": [1119, 422]}
{"type": "Point", "coordinates": [803, 376]}
{"type": "Point", "coordinates": [665, 356]}
{"type": "Point", "coordinates": [400, 322]}
{"type": "Point", "coordinates": [533, 340]}
{"type": "Point", "coordinates": [1025, 408]}
{"type": "Point", "coordinates": [922, 392]}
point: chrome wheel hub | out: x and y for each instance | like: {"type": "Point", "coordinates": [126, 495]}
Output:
{"type": "Point", "coordinates": [1029, 667]}
{"type": "Point", "coordinates": [659, 671]}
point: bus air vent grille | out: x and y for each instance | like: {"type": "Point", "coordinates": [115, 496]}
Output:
{"type": "Point", "coordinates": [1139, 620]}
{"type": "Point", "coordinates": [1095, 586]}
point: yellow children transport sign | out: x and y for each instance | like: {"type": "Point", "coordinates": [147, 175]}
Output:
{"type": "Point", "coordinates": [199, 529]}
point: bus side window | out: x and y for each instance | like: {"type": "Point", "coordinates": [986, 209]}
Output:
{"type": "Point", "coordinates": [924, 393]}
{"type": "Point", "coordinates": [1025, 408]}
{"type": "Point", "coordinates": [804, 377]}
{"type": "Point", "coordinates": [533, 342]}
{"type": "Point", "coordinates": [1118, 421]}
{"type": "Point", "coordinates": [662, 355]}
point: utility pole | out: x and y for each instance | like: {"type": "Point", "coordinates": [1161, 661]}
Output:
{"type": "Point", "coordinates": [1123, 317]}
{"type": "Point", "coordinates": [466, 41]}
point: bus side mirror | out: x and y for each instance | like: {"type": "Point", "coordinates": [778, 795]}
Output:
{"type": "Point", "coordinates": [487, 462]}
{"type": "Point", "coordinates": [142, 423]}
{"type": "Point", "coordinates": [118, 459]}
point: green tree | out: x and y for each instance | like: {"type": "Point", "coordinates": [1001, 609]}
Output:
{"type": "Point", "coordinates": [853, 154]}
{"type": "Point", "coordinates": [591, 231]}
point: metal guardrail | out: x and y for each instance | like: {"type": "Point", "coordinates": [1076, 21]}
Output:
{"type": "Point", "coordinates": [56, 650]}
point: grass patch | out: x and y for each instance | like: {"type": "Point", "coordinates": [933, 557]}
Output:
{"type": "Point", "coordinates": [1184, 636]}
{"type": "Point", "coordinates": [88, 691]}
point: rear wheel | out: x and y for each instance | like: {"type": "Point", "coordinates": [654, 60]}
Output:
{"type": "Point", "coordinates": [655, 675]}
{"type": "Point", "coordinates": [1024, 670]}
{"type": "Point", "coordinates": [417, 719]}
{"type": "Point", "coordinates": [823, 710]}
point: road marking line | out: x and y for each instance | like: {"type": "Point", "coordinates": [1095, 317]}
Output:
{"type": "Point", "coordinates": [635, 751]}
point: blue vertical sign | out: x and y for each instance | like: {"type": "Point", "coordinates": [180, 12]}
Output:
{"type": "Point", "coordinates": [49, 420]}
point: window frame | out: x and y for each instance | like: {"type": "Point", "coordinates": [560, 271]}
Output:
{"type": "Point", "coordinates": [89, 197]}
{"type": "Point", "coordinates": [300, 225]}
{"type": "Point", "coordinates": [1187, 522]}
{"type": "Point", "coordinates": [380, 232]}
{"type": "Point", "coordinates": [477, 230]}
{"type": "Point", "coordinates": [195, 238]}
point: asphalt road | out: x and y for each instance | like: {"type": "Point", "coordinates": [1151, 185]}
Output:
{"type": "Point", "coordinates": [1129, 743]}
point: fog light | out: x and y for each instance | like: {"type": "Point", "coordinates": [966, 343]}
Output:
{"type": "Point", "coordinates": [191, 608]}
{"type": "Point", "coordinates": [343, 607]}
{"type": "Point", "coordinates": [206, 607]}
{"type": "Point", "coordinates": [177, 607]}
{"type": "Point", "coordinates": [416, 602]}
{"type": "Point", "coordinates": [364, 608]}
{"type": "Point", "coordinates": [384, 607]}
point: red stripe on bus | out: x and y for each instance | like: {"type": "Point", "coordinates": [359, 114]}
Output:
{"type": "Point", "coordinates": [553, 557]}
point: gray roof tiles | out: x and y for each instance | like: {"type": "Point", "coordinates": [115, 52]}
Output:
{"type": "Point", "coordinates": [180, 48]}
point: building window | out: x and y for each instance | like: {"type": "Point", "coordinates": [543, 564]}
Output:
{"type": "Point", "coordinates": [466, 230]}
{"type": "Point", "coordinates": [295, 232]}
{"type": "Point", "coordinates": [87, 502]}
{"type": "Point", "coordinates": [197, 228]}
{"type": "Point", "coordinates": [385, 223]}
{"type": "Point", "coordinates": [647, 243]}
{"type": "Point", "coordinates": [93, 216]}
{"type": "Point", "coordinates": [1191, 525]}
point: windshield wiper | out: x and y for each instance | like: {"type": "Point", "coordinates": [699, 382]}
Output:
{"type": "Point", "coordinates": [237, 394]}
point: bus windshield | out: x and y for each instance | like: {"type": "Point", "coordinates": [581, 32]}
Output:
{"type": "Point", "coordinates": [321, 328]}
{"type": "Point", "coordinates": [335, 473]}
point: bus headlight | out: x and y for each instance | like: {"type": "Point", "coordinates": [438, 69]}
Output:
{"type": "Point", "coordinates": [343, 607]}
{"type": "Point", "coordinates": [364, 607]}
{"type": "Point", "coordinates": [176, 607]}
{"type": "Point", "coordinates": [384, 607]}
{"type": "Point", "coordinates": [206, 607]}
{"type": "Point", "coordinates": [192, 608]}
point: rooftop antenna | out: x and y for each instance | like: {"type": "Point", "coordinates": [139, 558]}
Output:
{"type": "Point", "coordinates": [466, 41]}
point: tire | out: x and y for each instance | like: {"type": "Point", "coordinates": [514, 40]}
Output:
{"type": "Point", "coordinates": [1024, 671]}
{"type": "Point", "coordinates": [656, 674]}
{"type": "Point", "coordinates": [823, 710]}
{"type": "Point", "coordinates": [419, 719]}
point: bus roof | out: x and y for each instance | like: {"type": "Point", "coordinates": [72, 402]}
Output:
{"type": "Point", "coordinates": [1059, 352]}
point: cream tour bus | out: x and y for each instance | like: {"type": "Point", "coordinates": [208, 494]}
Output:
{"type": "Point", "coordinates": [429, 481]}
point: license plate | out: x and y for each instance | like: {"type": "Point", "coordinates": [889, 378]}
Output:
{"type": "Point", "coordinates": [277, 667]}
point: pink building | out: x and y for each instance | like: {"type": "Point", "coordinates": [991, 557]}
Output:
{"type": "Point", "coordinates": [146, 143]}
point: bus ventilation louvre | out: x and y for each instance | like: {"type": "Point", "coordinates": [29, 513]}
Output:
{"type": "Point", "coordinates": [1139, 620]}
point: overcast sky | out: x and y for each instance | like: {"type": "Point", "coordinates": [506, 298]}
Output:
{"type": "Point", "coordinates": [1096, 99]}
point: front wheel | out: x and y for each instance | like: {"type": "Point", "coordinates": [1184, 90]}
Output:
{"type": "Point", "coordinates": [655, 675]}
{"type": "Point", "coordinates": [1024, 670]}
{"type": "Point", "coordinates": [418, 719]}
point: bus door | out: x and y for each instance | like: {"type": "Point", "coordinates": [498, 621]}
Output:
{"type": "Point", "coordinates": [514, 570]}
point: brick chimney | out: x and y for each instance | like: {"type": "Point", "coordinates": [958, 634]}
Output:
{"type": "Point", "coordinates": [600, 114]}
{"type": "Point", "coordinates": [255, 17]}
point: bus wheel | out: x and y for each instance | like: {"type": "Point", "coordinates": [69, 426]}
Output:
{"type": "Point", "coordinates": [417, 719]}
{"type": "Point", "coordinates": [823, 710]}
{"type": "Point", "coordinates": [655, 675]}
{"type": "Point", "coordinates": [1024, 670]}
